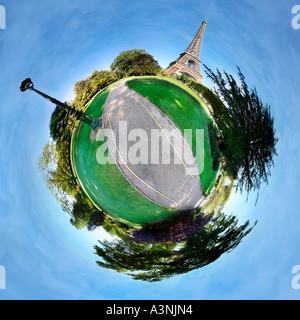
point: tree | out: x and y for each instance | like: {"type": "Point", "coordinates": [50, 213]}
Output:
{"type": "Point", "coordinates": [247, 129]}
{"type": "Point", "coordinates": [56, 175]}
{"type": "Point", "coordinates": [96, 219]}
{"type": "Point", "coordinates": [135, 62]}
{"type": "Point", "coordinates": [155, 262]}
{"type": "Point", "coordinates": [85, 89]}
{"type": "Point", "coordinates": [184, 78]}
{"type": "Point", "coordinates": [58, 123]}
{"type": "Point", "coordinates": [81, 211]}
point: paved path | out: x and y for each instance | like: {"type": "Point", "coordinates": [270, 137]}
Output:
{"type": "Point", "coordinates": [171, 185]}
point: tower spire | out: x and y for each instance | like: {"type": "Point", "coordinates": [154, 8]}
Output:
{"type": "Point", "coordinates": [195, 46]}
{"type": "Point", "coordinates": [189, 61]}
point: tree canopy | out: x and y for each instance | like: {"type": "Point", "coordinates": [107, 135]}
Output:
{"type": "Point", "coordinates": [155, 262]}
{"type": "Point", "coordinates": [56, 174]}
{"type": "Point", "coordinates": [135, 62]}
{"type": "Point", "coordinates": [247, 129]}
{"type": "Point", "coordinates": [85, 89]}
{"type": "Point", "coordinates": [58, 123]}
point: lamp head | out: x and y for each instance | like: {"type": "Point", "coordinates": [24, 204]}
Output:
{"type": "Point", "coordinates": [26, 84]}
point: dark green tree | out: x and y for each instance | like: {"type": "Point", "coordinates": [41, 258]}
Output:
{"type": "Point", "coordinates": [247, 129]}
{"type": "Point", "coordinates": [58, 123]}
{"type": "Point", "coordinates": [96, 219]}
{"type": "Point", "coordinates": [184, 78]}
{"type": "Point", "coordinates": [155, 262]}
{"type": "Point", "coordinates": [81, 211]}
{"type": "Point", "coordinates": [135, 62]}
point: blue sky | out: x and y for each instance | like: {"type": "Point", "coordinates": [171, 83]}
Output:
{"type": "Point", "coordinates": [58, 43]}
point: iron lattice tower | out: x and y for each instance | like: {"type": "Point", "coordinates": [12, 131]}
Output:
{"type": "Point", "coordinates": [189, 61]}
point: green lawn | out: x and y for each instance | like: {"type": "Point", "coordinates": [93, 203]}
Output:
{"type": "Point", "coordinates": [105, 185]}
{"type": "Point", "coordinates": [183, 108]}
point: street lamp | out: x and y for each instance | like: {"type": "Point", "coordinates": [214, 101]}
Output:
{"type": "Point", "coordinates": [78, 114]}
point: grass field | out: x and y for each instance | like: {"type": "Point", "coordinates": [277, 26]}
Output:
{"type": "Point", "coordinates": [105, 185]}
{"type": "Point", "coordinates": [185, 110]}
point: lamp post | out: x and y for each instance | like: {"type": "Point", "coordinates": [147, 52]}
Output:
{"type": "Point", "coordinates": [78, 114]}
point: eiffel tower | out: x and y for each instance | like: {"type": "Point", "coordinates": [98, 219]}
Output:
{"type": "Point", "coordinates": [189, 61]}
